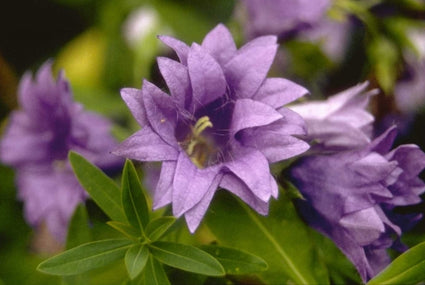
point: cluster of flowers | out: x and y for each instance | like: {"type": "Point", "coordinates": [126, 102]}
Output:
{"type": "Point", "coordinates": [221, 126]}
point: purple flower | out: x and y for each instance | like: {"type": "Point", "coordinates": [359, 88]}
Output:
{"type": "Point", "coordinates": [221, 127]}
{"type": "Point", "coordinates": [350, 197]}
{"type": "Point", "coordinates": [282, 17]}
{"type": "Point", "coordinates": [339, 123]}
{"type": "Point", "coordinates": [37, 142]}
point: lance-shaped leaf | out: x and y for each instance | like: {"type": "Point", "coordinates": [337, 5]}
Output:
{"type": "Point", "coordinates": [186, 257]}
{"type": "Point", "coordinates": [154, 273]}
{"type": "Point", "coordinates": [234, 261]}
{"type": "Point", "coordinates": [135, 259]}
{"type": "Point", "coordinates": [408, 268]}
{"type": "Point", "coordinates": [133, 198]}
{"type": "Point", "coordinates": [125, 229]}
{"type": "Point", "coordinates": [158, 227]}
{"type": "Point", "coordinates": [78, 229]}
{"type": "Point", "coordinates": [280, 238]}
{"type": "Point", "coordinates": [85, 257]}
{"type": "Point", "coordinates": [101, 188]}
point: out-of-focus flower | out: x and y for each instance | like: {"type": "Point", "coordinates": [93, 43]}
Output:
{"type": "Point", "coordinates": [309, 22]}
{"type": "Point", "coordinates": [341, 122]}
{"type": "Point", "coordinates": [282, 17]}
{"type": "Point", "coordinates": [410, 91]}
{"type": "Point", "coordinates": [350, 197]}
{"type": "Point", "coordinates": [222, 125]}
{"type": "Point", "coordinates": [36, 144]}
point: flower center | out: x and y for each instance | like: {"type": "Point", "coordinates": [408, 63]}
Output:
{"type": "Point", "coordinates": [198, 147]}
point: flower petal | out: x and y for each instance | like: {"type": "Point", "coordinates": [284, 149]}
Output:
{"type": "Point", "coordinates": [146, 145]}
{"type": "Point", "coordinates": [206, 76]}
{"type": "Point", "coordinates": [194, 216]}
{"type": "Point", "coordinates": [236, 186]}
{"type": "Point", "coordinates": [191, 184]}
{"type": "Point", "coordinates": [246, 71]}
{"type": "Point", "coordinates": [133, 98]}
{"type": "Point", "coordinates": [177, 78]}
{"type": "Point", "coordinates": [178, 46]}
{"type": "Point", "coordinates": [160, 111]}
{"type": "Point", "coordinates": [248, 113]}
{"type": "Point", "coordinates": [252, 168]}
{"type": "Point", "coordinates": [277, 92]}
{"type": "Point", "coordinates": [219, 43]}
{"type": "Point", "coordinates": [164, 188]}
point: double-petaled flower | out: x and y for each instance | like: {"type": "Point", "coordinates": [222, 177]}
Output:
{"type": "Point", "coordinates": [350, 196]}
{"type": "Point", "coordinates": [221, 127]}
{"type": "Point", "coordinates": [36, 143]}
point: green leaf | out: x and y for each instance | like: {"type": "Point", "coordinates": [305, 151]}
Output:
{"type": "Point", "coordinates": [135, 259]}
{"type": "Point", "coordinates": [235, 261]}
{"type": "Point", "coordinates": [101, 188]}
{"type": "Point", "coordinates": [408, 268]}
{"type": "Point", "coordinates": [282, 239]}
{"type": "Point", "coordinates": [85, 257]}
{"type": "Point", "coordinates": [186, 257]}
{"type": "Point", "coordinates": [154, 273]}
{"type": "Point", "coordinates": [78, 230]}
{"type": "Point", "coordinates": [158, 227]}
{"type": "Point", "coordinates": [133, 199]}
{"type": "Point", "coordinates": [125, 229]}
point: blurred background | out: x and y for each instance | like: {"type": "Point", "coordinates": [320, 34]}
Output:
{"type": "Point", "coordinates": [105, 45]}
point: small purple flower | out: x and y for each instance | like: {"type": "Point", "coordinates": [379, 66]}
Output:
{"type": "Point", "coordinates": [282, 17]}
{"type": "Point", "coordinates": [37, 141]}
{"type": "Point", "coordinates": [350, 197]}
{"type": "Point", "coordinates": [221, 127]}
{"type": "Point", "coordinates": [339, 123]}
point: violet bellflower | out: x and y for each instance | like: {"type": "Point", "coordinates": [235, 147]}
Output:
{"type": "Point", "coordinates": [350, 197]}
{"type": "Point", "coordinates": [36, 143]}
{"type": "Point", "coordinates": [339, 123]}
{"type": "Point", "coordinates": [221, 127]}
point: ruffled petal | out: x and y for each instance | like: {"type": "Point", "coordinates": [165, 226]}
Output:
{"type": "Point", "coordinates": [246, 71]}
{"type": "Point", "coordinates": [252, 168]}
{"type": "Point", "coordinates": [178, 46]}
{"type": "Point", "coordinates": [160, 111]}
{"type": "Point", "coordinates": [248, 113]}
{"type": "Point", "coordinates": [146, 145]}
{"type": "Point", "coordinates": [164, 189]}
{"type": "Point", "coordinates": [219, 43]}
{"type": "Point", "coordinates": [236, 186]}
{"type": "Point", "coordinates": [194, 216]}
{"type": "Point", "coordinates": [191, 184]}
{"type": "Point", "coordinates": [277, 92]}
{"type": "Point", "coordinates": [206, 76]}
{"type": "Point", "coordinates": [177, 78]}
{"type": "Point", "coordinates": [133, 98]}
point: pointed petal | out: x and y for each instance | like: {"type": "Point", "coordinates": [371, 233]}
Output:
{"type": "Point", "coordinates": [274, 146]}
{"type": "Point", "coordinates": [191, 184]}
{"type": "Point", "coordinates": [410, 158]}
{"type": "Point", "coordinates": [146, 145]}
{"type": "Point", "coordinates": [365, 226]}
{"type": "Point", "coordinates": [236, 186]}
{"type": "Point", "coordinates": [248, 113]}
{"type": "Point", "coordinates": [164, 189]}
{"type": "Point", "coordinates": [384, 142]}
{"type": "Point", "coordinates": [252, 168]}
{"type": "Point", "coordinates": [194, 216]}
{"type": "Point", "coordinates": [177, 78]}
{"type": "Point", "coordinates": [277, 92]}
{"type": "Point", "coordinates": [374, 167]}
{"type": "Point", "coordinates": [219, 43]}
{"type": "Point", "coordinates": [178, 46]}
{"type": "Point", "coordinates": [246, 71]}
{"type": "Point", "coordinates": [206, 76]}
{"type": "Point", "coordinates": [160, 111]}
{"type": "Point", "coordinates": [133, 98]}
